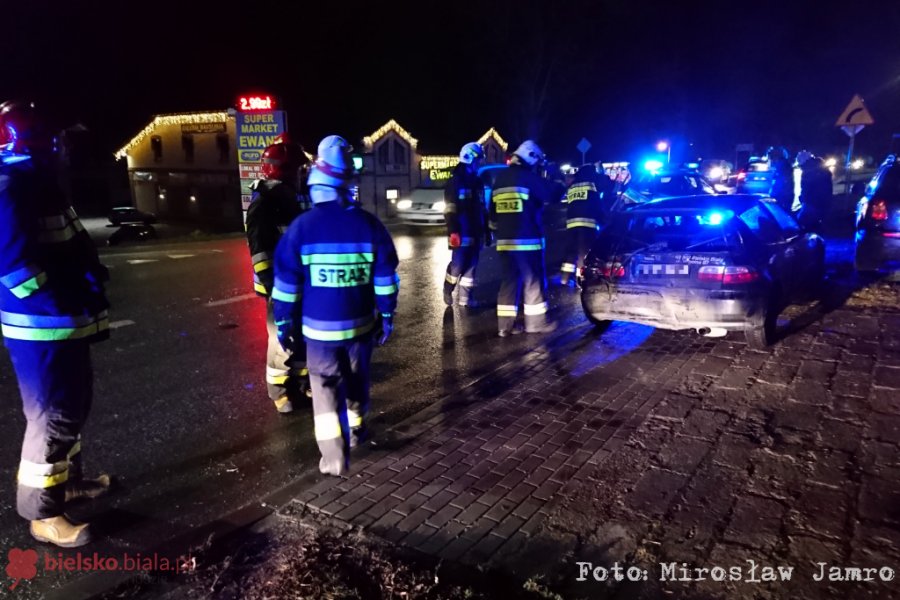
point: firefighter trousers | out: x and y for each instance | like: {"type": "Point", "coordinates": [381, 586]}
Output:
{"type": "Point", "coordinates": [461, 272]}
{"type": "Point", "coordinates": [578, 242]}
{"type": "Point", "coordinates": [523, 275]}
{"type": "Point", "coordinates": [339, 376]}
{"type": "Point", "coordinates": [283, 369]}
{"type": "Point", "coordinates": [56, 384]}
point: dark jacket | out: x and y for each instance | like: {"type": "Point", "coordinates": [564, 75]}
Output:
{"type": "Point", "coordinates": [273, 206]}
{"type": "Point", "coordinates": [586, 197]}
{"type": "Point", "coordinates": [782, 188]}
{"type": "Point", "coordinates": [51, 279]}
{"type": "Point", "coordinates": [517, 201]}
{"type": "Point", "coordinates": [335, 269]}
{"type": "Point", "coordinates": [815, 184]}
{"type": "Point", "coordinates": [465, 212]}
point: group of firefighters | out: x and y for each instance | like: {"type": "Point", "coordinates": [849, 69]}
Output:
{"type": "Point", "coordinates": [326, 267]}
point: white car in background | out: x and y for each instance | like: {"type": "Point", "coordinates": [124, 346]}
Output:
{"type": "Point", "coordinates": [424, 206]}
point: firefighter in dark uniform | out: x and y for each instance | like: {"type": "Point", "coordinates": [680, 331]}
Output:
{"type": "Point", "coordinates": [782, 188]}
{"type": "Point", "coordinates": [52, 307]}
{"type": "Point", "coordinates": [517, 200]}
{"type": "Point", "coordinates": [466, 220]}
{"type": "Point", "coordinates": [584, 215]}
{"type": "Point", "coordinates": [335, 282]}
{"type": "Point", "coordinates": [814, 194]}
{"type": "Point", "coordinates": [277, 200]}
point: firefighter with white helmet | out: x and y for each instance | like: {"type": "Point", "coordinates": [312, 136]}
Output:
{"type": "Point", "coordinates": [466, 223]}
{"type": "Point", "coordinates": [52, 307]}
{"type": "Point", "coordinates": [278, 198]}
{"type": "Point", "coordinates": [335, 282]}
{"type": "Point", "coordinates": [517, 201]}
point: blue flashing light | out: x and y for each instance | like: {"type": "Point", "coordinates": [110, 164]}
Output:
{"type": "Point", "coordinates": [10, 158]}
{"type": "Point", "coordinates": [716, 217]}
{"type": "Point", "coordinates": [653, 165]}
{"type": "Point", "coordinates": [692, 165]}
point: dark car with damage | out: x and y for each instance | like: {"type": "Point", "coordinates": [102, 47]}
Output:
{"type": "Point", "coordinates": [877, 240]}
{"type": "Point", "coordinates": [714, 264]}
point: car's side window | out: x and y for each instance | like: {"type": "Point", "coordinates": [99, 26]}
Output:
{"type": "Point", "coordinates": [762, 224]}
{"type": "Point", "coordinates": [786, 222]}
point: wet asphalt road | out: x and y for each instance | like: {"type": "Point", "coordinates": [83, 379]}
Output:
{"type": "Point", "coordinates": [181, 414]}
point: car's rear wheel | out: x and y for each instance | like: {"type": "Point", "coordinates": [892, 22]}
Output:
{"type": "Point", "coordinates": [598, 323]}
{"type": "Point", "coordinates": [766, 334]}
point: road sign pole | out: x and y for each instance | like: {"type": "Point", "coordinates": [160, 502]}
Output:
{"type": "Point", "coordinates": [847, 167]}
{"type": "Point", "coordinates": [582, 158]}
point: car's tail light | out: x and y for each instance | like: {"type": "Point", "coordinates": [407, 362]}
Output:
{"type": "Point", "coordinates": [879, 210]}
{"type": "Point", "coordinates": [613, 269]}
{"type": "Point", "coordinates": [728, 274]}
{"type": "Point", "coordinates": [606, 270]}
{"type": "Point", "coordinates": [741, 175]}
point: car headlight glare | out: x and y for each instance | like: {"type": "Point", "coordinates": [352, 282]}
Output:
{"type": "Point", "coordinates": [404, 204]}
{"type": "Point", "coordinates": [439, 205]}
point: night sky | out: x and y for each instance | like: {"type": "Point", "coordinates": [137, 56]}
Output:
{"type": "Point", "coordinates": [623, 74]}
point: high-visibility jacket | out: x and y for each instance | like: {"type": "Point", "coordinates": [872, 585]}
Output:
{"type": "Point", "coordinates": [334, 268]}
{"type": "Point", "coordinates": [583, 207]}
{"type": "Point", "coordinates": [273, 206]}
{"type": "Point", "coordinates": [464, 210]}
{"type": "Point", "coordinates": [517, 200]}
{"type": "Point", "coordinates": [51, 279]}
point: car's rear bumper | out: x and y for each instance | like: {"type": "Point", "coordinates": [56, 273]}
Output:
{"type": "Point", "coordinates": [876, 251]}
{"type": "Point", "coordinates": [681, 308]}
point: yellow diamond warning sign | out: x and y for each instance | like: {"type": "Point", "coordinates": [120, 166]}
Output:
{"type": "Point", "coordinates": [856, 113]}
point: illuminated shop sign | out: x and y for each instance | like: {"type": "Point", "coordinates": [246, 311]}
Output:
{"type": "Point", "coordinates": [248, 103]}
{"type": "Point", "coordinates": [203, 128]}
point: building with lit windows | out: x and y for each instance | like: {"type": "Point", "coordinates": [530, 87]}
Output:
{"type": "Point", "coordinates": [184, 167]}
{"type": "Point", "coordinates": [393, 166]}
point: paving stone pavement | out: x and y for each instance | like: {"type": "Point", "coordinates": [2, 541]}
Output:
{"type": "Point", "coordinates": [646, 448]}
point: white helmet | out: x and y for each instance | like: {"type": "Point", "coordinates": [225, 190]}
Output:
{"type": "Point", "coordinates": [530, 152]}
{"type": "Point", "coordinates": [470, 152]}
{"type": "Point", "coordinates": [334, 165]}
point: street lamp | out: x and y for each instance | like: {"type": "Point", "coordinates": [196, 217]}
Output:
{"type": "Point", "coordinates": [664, 146]}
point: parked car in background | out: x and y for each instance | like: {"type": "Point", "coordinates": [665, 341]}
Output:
{"type": "Point", "coordinates": [716, 171]}
{"type": "Point", "coordinates": [132, 232]}
{"type": "Point", "coordinates": [424, 206]}
{"type": "Point", "coordinates": [714, 264]}
{"type": "Point", "coordinates": [755, 177]}
{"type": "Point", "coordinates": [877, 243]}
{"type": "Point", "coordinates": [129, 214]}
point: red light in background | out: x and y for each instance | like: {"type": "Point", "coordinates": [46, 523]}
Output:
{"type": "Point", "coordinates": [251, 103]}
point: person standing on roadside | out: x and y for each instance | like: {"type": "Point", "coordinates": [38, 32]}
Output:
{"type": "Point", "coordinates": [516, 213]}
{"type": "Point", "coordinates": [276, 201]}
{"type": "Point", "coordinates": [52, 307]}
{"type": "Point", "coordinates": [466, 223]}
{"type": "Point", "coordinates": [336, 287]}
{"type": "Point", "coordinates": [584, 214]}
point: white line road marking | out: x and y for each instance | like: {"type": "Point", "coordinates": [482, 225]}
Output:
{"type": "Point", "coordinates": [231, 300]}
{"type": "Point", "coordinates": [117, 324]}
{"type": "Point", "coordinates": [176, 256]}
{"type": "Point", "coordinates": [139, 261]}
